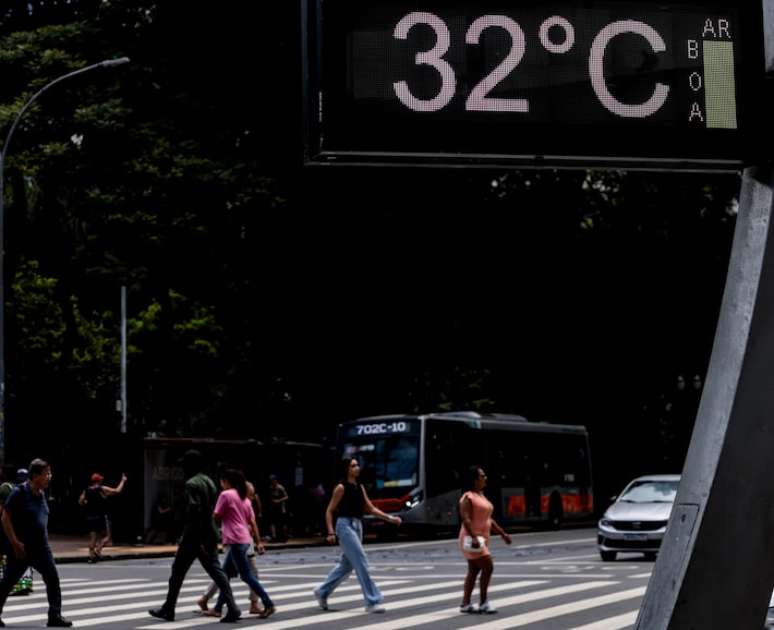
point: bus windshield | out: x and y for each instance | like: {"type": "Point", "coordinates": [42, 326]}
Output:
{"type": "Point", "coordinates": [390, 464]}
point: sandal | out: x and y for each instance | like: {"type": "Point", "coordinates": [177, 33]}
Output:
{"type": "Point", "coordinates": [213, 612]}
{"type": "Point", "coordinates": [267, 612]}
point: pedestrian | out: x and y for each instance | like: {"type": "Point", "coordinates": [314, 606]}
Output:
{"type": "Point", "coordinates": [199, 540]}
{"type": "Point", "coordinates": [25, 523]}
{"type": "Point", "coordinates": [25, 583]}
{"type": "Point", "coordinates": [237, 529]}
{"type": "Point", "coordinates": [160, 531]}
{"type": "Point", "coordinates": [350, 500]}
{"type": "Point", "coordinates": [94, 499]}
{"type": "Point", "coordinates": [477, 523]}
{"type": "Point", "coordinates": [317, 492]}
{"type": "Point", "coordinates": [279, 508]}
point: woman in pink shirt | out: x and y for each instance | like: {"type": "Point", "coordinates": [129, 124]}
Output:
{"type": "Point", "coordinates": [235, 513]}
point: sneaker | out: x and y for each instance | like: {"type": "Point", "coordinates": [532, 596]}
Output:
{"type": "Point", "coordinates": [59, 622]}
{"type": "Point", "coordinates": [487, 609]}
{"type": "Point", "coordinates": [161, 613]}
{"type": "Point", "coordinates": [468, 608]}
{"type": "Point", "coordinates": [322, 602]}
{"type": "Point", "coordinates": [374, 608]}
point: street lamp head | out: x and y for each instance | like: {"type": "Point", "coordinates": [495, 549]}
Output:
{"type": "Point", "coordinates": [109, 63]}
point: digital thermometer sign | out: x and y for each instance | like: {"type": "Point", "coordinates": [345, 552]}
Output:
{"type": "Point", "coordinates": [624, 84]}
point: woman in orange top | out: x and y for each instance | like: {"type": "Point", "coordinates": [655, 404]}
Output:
{"type": "Point", "coordinates": [477, 521]}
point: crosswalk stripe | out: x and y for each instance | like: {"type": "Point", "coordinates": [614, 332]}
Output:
{"type": "Point", "coordinates": [416, 595]}
{"type": "Point", "coordinates": [239, 592]}
{"type": "Point", "coordinates": [144, 615]}
{"type": "Point", "coordinates": [290, 567]}
{"type": "Point", "coordinates": [161, 592]}
{"type": "Point", "coordinates": [563, 559]}
{"type": "Point", "coordinates": [563, 609]}
{"type": "Point", "coordinates": [626, 620]}
{"type": "Point", "coordinates": [415, 620]}
{"type": "Point", "coordinates": [399, 605]}
{"type": "Point", "coordinates": [500, 576]}
{"type": "Point", "coordinates": [106, 589]}
{"type": "Point", "coordinates": [100, 581]}
{"type": "Point", "coordinates": [335, 601]}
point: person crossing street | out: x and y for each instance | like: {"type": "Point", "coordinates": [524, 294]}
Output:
{"type": "Point", "coordinates": [350, 501]}
{"type": "Point", "coordinates": [25, 523]}
{"type": "Point", "coordinates": [199, 540]}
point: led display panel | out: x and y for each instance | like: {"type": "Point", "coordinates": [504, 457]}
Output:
{"type": "Point", "coordinates": [620, 84]}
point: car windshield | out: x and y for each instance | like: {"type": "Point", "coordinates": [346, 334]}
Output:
{"type": "Point", "coordinates": [650, 492]}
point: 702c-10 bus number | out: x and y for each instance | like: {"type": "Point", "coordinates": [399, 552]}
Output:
{"type": "Point", "coordinates": [382, 428]}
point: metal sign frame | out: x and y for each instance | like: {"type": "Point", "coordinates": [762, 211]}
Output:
{"type": "Point", "coordinates": [318, 150]}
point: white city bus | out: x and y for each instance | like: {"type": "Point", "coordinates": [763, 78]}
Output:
{"type": "Point", "coordinates": [415, 466]}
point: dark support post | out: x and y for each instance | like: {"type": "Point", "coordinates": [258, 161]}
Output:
{"type": "Point", "coordinates": [715, 570]}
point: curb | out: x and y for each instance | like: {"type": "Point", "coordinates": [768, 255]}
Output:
{"type": "Point", "coordinates": [142, 553]}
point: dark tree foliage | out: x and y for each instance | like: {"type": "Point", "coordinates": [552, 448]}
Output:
{"type": "Point", "coordinates": [265, 299]}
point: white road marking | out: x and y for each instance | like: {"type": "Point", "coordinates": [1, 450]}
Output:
{"type": "Point", "coordinates": [561, 559]}
{"type": "Point", "coordinates": [159, 592]}
{"type": "Point", "coordinates": [311, 605]}
{"type": "Point", "coordinates": [98, 588]}
{"type": "Point", "coordinates": [238, 592]}
{"type": "Point", "coordinates": [330, 617]}
{"type": "Point", "coordinates": [627, 620]}
{"type": "Point", "coordinates": [415, 620]}
{"type": "Point", "coordinates": [446, 541]}
{"type": "Point", "coordinates": [557, 611]}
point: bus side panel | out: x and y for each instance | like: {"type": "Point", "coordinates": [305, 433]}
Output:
{"type": "Point", "coordinates": [537, 473]}
{"type": "Point", "coordinates": [451, 448]}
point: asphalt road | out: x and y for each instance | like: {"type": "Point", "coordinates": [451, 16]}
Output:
{"type": "Point", "coordinates": [544, 581]}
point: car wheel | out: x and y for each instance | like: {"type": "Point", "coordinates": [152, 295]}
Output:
{"type": "Point", "coordinates": [608, 556]}
{"type": "Point", "coordinates": [651, 556]}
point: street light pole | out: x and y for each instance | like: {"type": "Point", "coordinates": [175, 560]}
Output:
{"type": "Point", "coordinates": [108, 63]}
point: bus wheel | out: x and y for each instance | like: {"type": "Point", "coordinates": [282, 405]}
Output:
{"type": "Point", "coordinates": [555, 512]}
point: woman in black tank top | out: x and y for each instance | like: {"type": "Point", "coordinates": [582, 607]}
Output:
{"type": "Point", "coordinates": [349, 502]}
{"type": "Point", "coordinates": [93, 499]}
{"type": "Point", "coordinates": [352, 502]}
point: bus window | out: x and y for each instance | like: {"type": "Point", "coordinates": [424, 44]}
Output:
{"type": "Point", "coordinates": [390, 463]}
{"type": "Point", "coordinates": [445, 457]}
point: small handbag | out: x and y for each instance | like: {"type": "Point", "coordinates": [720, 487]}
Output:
{"type": "Point", "coordinates": [467, 544]}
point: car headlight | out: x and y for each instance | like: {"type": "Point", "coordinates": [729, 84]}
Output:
{"type": "Point", "coordinates": [606, 522]}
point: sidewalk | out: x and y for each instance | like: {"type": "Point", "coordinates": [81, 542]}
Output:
{"type": "Point", "coordinates": [76, 548]}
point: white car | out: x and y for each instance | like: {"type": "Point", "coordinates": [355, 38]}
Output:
{"type": "Point", "coordinates": [637, 519]}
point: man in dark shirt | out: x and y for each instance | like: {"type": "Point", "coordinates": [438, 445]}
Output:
{"type": "Point", "coordinates": [25, 523]}
{"type": "Point", "coordinates": [199, 540]}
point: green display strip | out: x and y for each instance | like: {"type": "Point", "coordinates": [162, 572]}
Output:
{"type": "Point", "coordinates": [719, 85]}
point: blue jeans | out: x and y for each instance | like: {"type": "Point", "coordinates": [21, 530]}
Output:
{"type": "Point", "coordinates": [236, 562]}
{"type": "Point", "coordinates": [350, 534]}
{"type": "Point", "coordinates": [42, 560]}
